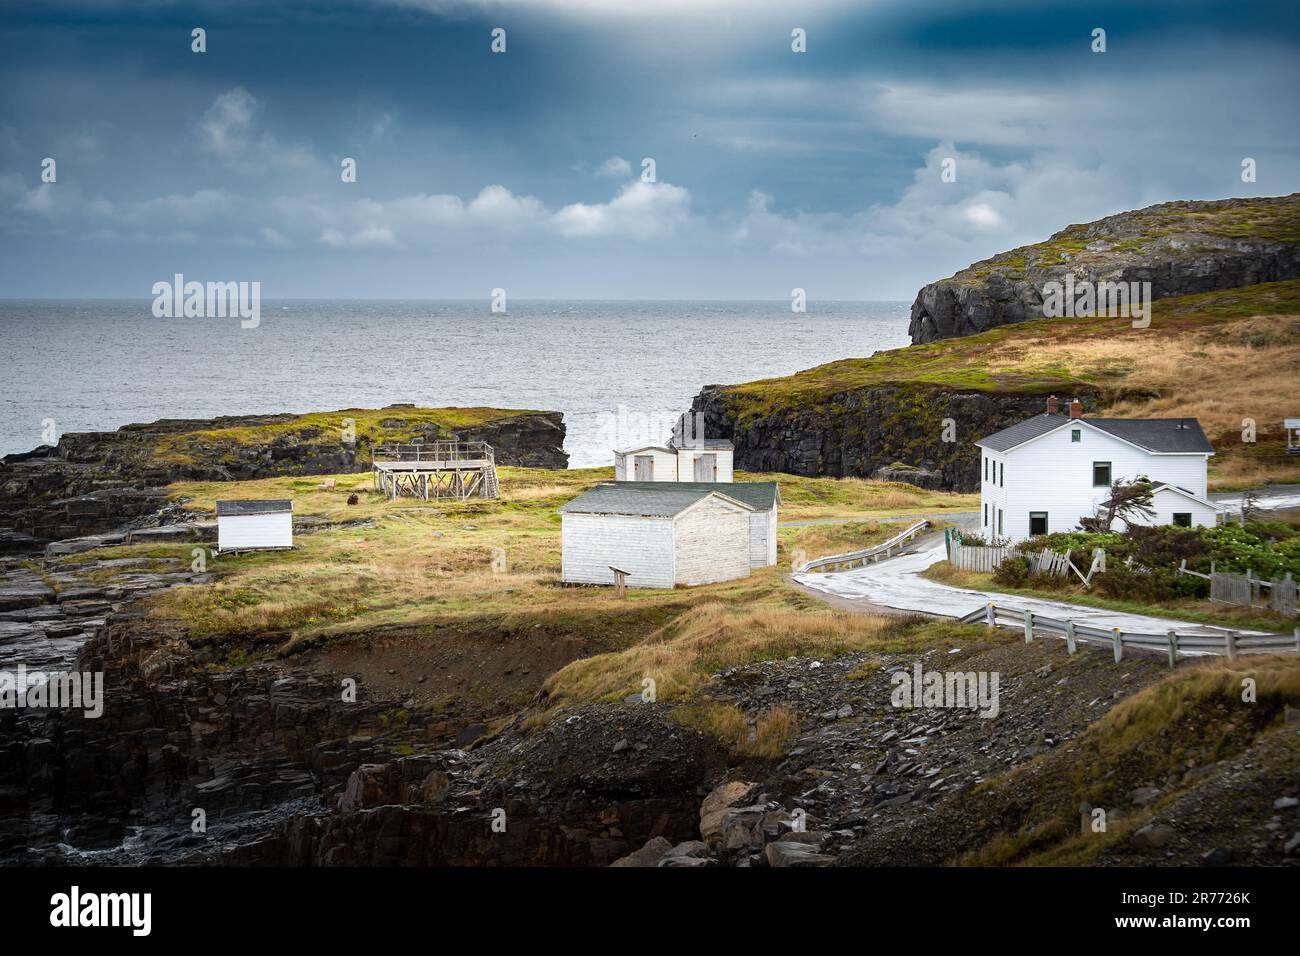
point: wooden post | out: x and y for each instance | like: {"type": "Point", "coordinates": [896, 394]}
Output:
{"type": "Point", "coordinates": [1118, 641]}
{"type": "Point", "coordinates": [1297, 640]}
{"type": "Point", "coordinates": [990, 618]}
{"type": "Point", "coordinates": [1029, 627]}
{"type": "Point", "coordinates": [1069, 635]}
{"type": "Point", "coordinates": [1230, 645]}
{"type": "Point", "coordinates": [1173, 648]}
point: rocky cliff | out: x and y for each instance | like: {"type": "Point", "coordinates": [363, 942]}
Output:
{"type": "Point", "coordinates": [1181, 248]}
{"type": "Point", "coordinates": [865, 433]}
{"type": "Point", "coordinates": [96, 481]}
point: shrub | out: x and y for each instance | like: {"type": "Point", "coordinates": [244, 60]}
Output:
{"type": "Point", "coordinates": [1013, 572]}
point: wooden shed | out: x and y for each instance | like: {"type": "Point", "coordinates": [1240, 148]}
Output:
{"type": "Point", "coordinates": [660, 533]}
{"type": "Point", "coordinates": [762, 496]}
{"type": "Point", "coordinates": [250, 525]}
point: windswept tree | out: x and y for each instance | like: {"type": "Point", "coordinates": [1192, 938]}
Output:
{"type": "Point", "coordinates": [1128, 500]}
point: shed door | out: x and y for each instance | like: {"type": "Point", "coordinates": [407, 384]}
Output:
{"type": "Point", "coordinates": [644, 466]}
{"type": "Point", "coordinates": [706, 468]}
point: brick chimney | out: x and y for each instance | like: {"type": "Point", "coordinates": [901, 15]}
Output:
{"type": "Point", "coordinates": [1053, 405]}
{"type": "Point", "coordinates": [1076, 409]}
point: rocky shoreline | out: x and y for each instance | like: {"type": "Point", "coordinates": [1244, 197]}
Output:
{"type": "Point", "coordinates": [95, 482]}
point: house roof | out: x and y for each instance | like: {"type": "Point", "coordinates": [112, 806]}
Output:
{"type": "Point", "coordinates": [652, 499]}
{"type": "Point", "coordinates": [1159, 435]}
{"type": "Point", "coordinates": [1159, 486]}
{"type": "Point", "coordinates": [760, 495]}
{"type": "Point", "coordinates": [249, 506]}
{"type": "Point", "coordinates": [636, 448]}
{"type": "Point", "coordinates": [705, 443]}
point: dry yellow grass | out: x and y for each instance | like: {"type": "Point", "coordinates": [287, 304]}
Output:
{"type": "Point", "coordinates": [1220, 374]}
{"type": "Point", "coordinates": [680, 658]}
{"type": "Point", "coordinates": [766, 739]}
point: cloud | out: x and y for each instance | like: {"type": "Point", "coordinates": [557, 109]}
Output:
{"type": "Point", "coordinates": [616, 167]}
{"type": "Point", "coordinates": [225, 125]}
{"type": "Point", "coordinates": [640, 210]}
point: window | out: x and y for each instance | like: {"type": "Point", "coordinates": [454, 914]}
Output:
{"type": "Point", "coordinates": [1076, 435]}
{"type": "Point", "coordinates": [1037, 523]}
{"type": "Point", "coordinates": [999, 522]}
{"type": "Point", "coordinates": [986, 471]}
{"type": "Point", "coordinates": [1183, 519]}
{"type": "Point", "coordinates": [1002, 474]}
{"type": "Point", "coordinates": [986, 516]}
{"type": "Point", "coordinates": [1101, 474]}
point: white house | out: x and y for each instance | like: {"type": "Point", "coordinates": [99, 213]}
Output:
{"type": "Point", "coordinates": [251, 525]}
{"type": "Point", "coordinates": [663, 534]}
{"type": "Point", "coordinates": [1042, 475]}
{"type": "Point", "coordinates": [698, 460]}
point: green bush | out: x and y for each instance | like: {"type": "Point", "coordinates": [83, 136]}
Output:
{"type": "Point", "coordinates": [1013, 572]}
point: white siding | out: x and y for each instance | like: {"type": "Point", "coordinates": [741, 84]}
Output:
{"type": "Point", "coordinates": [686, 462]}
{"type": "Point", "coordinates": [762, 538]}
{"type": "Point", "coordinates": [1168, 503]}
{"type": "Point", "coordinates": [665, 464]}
{"type": "Point", "coordinates": [1054, 474]}
{"type": "Point", "coordinates": [712, 542]}
{"type": "Point", "coordinates": [641, 546]}
{"type": "Point", "coordinates": [244, 532]}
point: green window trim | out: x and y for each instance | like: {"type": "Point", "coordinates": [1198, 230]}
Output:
{"type": "Point", "coordinates": [1096, 467]}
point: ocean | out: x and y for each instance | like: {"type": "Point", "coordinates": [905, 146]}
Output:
{"type": "Point", "coordinates": [618, 370]}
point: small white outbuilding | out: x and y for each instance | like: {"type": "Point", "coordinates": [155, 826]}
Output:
{"type": "Point", "coordinates": [660, 533]}
{"type": "Point", "coordinates": [249, 525]}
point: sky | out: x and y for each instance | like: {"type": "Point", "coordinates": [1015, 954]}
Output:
{"type": "Point", "coordinates": [524, 170]}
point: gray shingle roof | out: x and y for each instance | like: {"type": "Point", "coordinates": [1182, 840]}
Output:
{"type": "Point", "coordinates": [250, 506]}
{"type": "Point", "coordinates": [706, 443]}
{"type": "Point", "coordinates": [757, 494]}
{"type": "Point", "coordinates": [657, 499]}
{"type": "Point", "coordinates": [1158, 434]}
{"type": "Point", "coordinates": [1021, 432]}
{"type": "Point", "coordinates": [1154, 434]}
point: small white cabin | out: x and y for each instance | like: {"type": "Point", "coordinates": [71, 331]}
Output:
{"type": "Point", "coordinates": [664, 534]}
{"type": "Point", "coordinates": [1043, 474]}
{"type": "Point", "coordinates": [248, 525]}
{"type": "Point", "coordinates": [703, 460]}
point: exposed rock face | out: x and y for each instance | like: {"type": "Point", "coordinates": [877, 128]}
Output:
{"type": "Point", "coordinates": [865, 430]}
{"type": "Point", "coordinates": [1181, 248]}
{"type": "Point", "coordinates": [97, 481]}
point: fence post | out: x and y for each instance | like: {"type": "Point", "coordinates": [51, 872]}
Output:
{"type": "Point", "coordinates": [1119, 646]}
{"type": "Point", "coordinates": [1230, 645]}
{"type": "Point", "coordinates": [1029, 626]}
{"type": "Point", "coordinates": [1069, 635]}
{"type": "Point", "coordinates": [1173, 648]}
{"type": "Point", "coordinates": [990, 619]}
{"type": "Point", "coordinates": [1297, 640]}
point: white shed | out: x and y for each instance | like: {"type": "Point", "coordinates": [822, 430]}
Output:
{"type": "Point", "coordinates": [762, 496]}
{"type": "Point", "coordinates": [703, 460]}
{"type": "Point", "coordinates": [1178, 506]}
{"type": "Point", "coordinates": [661, 534]}
{"type": "Point", "coordinates": [249, 525]}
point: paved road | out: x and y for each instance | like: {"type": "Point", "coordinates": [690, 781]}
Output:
{"type": "Point", "coordinates": [897, 584]}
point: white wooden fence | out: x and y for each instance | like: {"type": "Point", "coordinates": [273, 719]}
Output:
{"type": "Point", "coordinates": [1220, 643]}
{"type": "Point", "coordinates": [971, 557]}
{"type": "Point", "coordinates": [1246, 590]}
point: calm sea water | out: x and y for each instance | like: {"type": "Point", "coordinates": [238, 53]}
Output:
{"type": "Point", "coordinates": [95, 365]}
